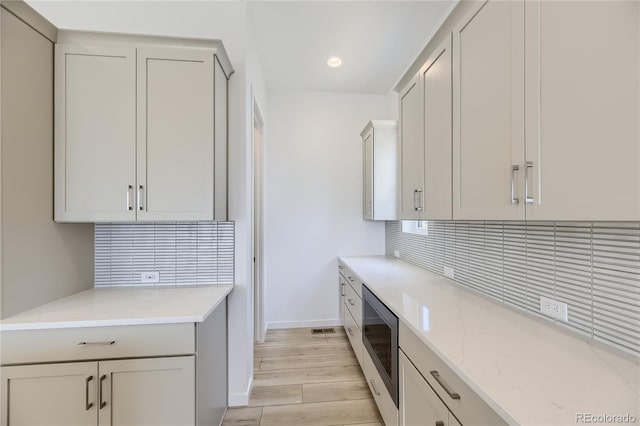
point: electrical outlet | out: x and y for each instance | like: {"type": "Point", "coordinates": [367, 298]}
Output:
{"type": "Point", "coordinates": [449, 272]}
{"type": "Point", "coordinates": [396, 253]}
{"type": "Point", "coordinates": [150, 277]}
{"type": "Point", "coordinates": [554, 308]}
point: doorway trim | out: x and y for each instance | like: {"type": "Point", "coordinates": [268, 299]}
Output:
{"type": "Point", "coordinates": [257, 129]}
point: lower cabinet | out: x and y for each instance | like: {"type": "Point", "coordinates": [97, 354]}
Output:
{"type": "Point", "coordinates": [154, 391]}
{"type": "Point", "coordinates": [419, 404]}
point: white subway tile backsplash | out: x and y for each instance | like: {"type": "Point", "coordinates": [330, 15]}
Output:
{"type": "Point", "coordinates": [183, 253]}
{"type": "Point", "coordinates": [593, 267]}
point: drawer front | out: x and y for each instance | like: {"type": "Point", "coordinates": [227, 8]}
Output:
{"type": "Point", "coordinates": [354, 334]}
{"type": "Point", "coordinates": [469, 408]}
{"type": "Point", "coordinates": [385, 404]}
{"type": "Point", "coordinates": [72, 344]}
{"type": "Point", "coordinates": [354, 304]}
{"type": "Point", "coordinates": [354, 281]}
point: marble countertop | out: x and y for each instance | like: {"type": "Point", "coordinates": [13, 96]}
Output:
{"type": "Point", "coordinates": [529, 371]}
{"type": "Point", "coordinates": [122, 306]}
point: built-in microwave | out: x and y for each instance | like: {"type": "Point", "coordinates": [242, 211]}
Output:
{"type": "Point", "coordinates": [380, 337]}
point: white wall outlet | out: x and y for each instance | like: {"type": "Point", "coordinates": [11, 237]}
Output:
{"type": "Point", "coordinates": [449, 272]}
{"type": "Point", "coordinates": [554, 308]}
{"type": "Point", "coordinates": [396, 253]}
{"type": "Point", "coordinates": [150, 277]}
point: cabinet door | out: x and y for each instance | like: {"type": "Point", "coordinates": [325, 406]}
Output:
{"type": "Point", "coordinates": [488, 101]}
{"type": "Point", "coordinates": [367, 165]}
{"type": "Point", "coordinates": [175, 134]}
{"type": "Point", "coordinates": [583, 110]}
{"type": "Point", "coordinates": [49, 394]}
{"type": "Point", "coordinates": [153, 392]}
{"type": "Point", "coordinates": [419, 404]}
{"type": "Point", "coordinates": [437, 89]}
{"type": "Point", "coordinates": [95, 133]}
{"type": "Point", "coordinates": [412, 152]}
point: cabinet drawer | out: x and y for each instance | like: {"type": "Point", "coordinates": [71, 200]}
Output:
{"type": "Point", "coordinates": [469, 408]}
{"type": "Point", "coordinates": [354, 304]}
{"type": "Point", "coordinates": [386, 406]}
{"type": "Point", "coordinates": [72, 344]}
{"type": "Point", "coordinates": [354, 281]}
{"type": "Point", "coordinates": [354, 334]}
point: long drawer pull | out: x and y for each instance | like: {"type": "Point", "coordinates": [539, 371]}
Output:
{"type": "Point", "coordinates": [342, 287]}
{"type": "Point", "coordinates": [351, 278]}
{"type": "Point", "coordinates": [105, 343]}
{"type": "Point", "coordinates": [373, 385]}
{"type": "Point", "coordinates": [350, 330]}
{"type": "Point", "coordinates": [102, 403]}
{"type": "Point", "coordinates": [445, 386]}
{"type": "Point", "coordinates": [87, 404]}
{"type": "Point", "coordinates": [340, 267]}
{"type": "Point", "coordinates": [351, 302]}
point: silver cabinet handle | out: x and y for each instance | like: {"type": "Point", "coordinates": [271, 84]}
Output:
{"type": "Point", "coordinates": [350, 330]}
{"type": "Point", "coordinates": [445, 386]}
{"type": "Point", "coordinates": [373, 385]}
{"type": "Point", "coordinates": [129, 206]}
{"type": "Point", "coordinates": [528, 165]}
{"type": "Point", "coordinates": [417, 200]}
{"type": "Point", "coordinates": [420, 200]}
{"type": "Point", "coordinates": [105, 343]}
{"type": "Point", "coordinates": [340, 267]}
{"type": "Point", "coordinates": [351, 302]}
{"type": "Point", "coordinates": [102, 379]}
{"type": "Point", "coordinates": [87, 404]}
{"type": "Point", "coordinates": [351, 278]}
{"type": "Point", "coordinates": [342, 288]}
{"type": "Point", "coordinates": [140, 189]}
{"type": "Point", "coordinates": [514, 199]}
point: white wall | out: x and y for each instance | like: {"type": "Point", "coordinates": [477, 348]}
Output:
{"type": "Point", "coordinates": [248, 83]}
{"type": "Point", "coordinates": [314, 200]}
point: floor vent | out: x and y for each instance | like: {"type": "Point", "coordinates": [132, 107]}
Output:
{"type": "Point", "coordinates": [323, 330]}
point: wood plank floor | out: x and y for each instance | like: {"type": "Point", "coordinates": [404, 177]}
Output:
{"type": "Point", "coordinates": [302, 379]}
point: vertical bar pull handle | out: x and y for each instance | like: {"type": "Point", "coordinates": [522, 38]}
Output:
{"type": "Point", "coordinates": [373, 385]}
{"type": "Point", "coordinates": [417, 199]}
{"type": "Point", "coordinates": [140, 189]}
{"type": "Point", "coordinates": [102, 403]}
{"type": "Point", "coordinates": [129, 206]}
{"type": "Point", "coordinates": [528, 198]}
{"type": "Point", "coordinates": [87, 404]}
{"type": "Point", "coordinates": [514, 199]}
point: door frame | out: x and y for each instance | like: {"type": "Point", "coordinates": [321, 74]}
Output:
{"type": "Point", "coordinates": [257, 197]}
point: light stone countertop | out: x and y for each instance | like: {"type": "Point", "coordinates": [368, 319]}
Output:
{"type": "Point", "coordinates": [109, 306]}
{"type": "Point", "coordinates": [529, 371]}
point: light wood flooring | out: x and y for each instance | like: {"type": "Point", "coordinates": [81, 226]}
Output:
{"type": "Point", "coordinates": [302, 379]}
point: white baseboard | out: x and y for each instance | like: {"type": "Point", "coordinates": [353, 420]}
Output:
{"type": "Point", "coordinates": [300, 324]}
{"type": "Point", "coordinates": [241, 399]}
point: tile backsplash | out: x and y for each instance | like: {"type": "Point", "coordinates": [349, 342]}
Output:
{"type": "Point", "coordinates": [593, 267]}
{"type": "Point", "coordinates": [183, 253]}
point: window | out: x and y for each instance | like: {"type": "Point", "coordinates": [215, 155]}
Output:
{"type": "Point", "coordinates": [415, 227]}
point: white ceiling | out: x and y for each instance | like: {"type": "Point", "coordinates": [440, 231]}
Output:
{"type": "Point", "coordinates": [377, 40]}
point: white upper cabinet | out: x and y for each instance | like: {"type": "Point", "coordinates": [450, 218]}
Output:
{"type": "Point", "coordinates": [141, 129]}
{"type": "Point", "coordinates": [380, 170]}
{"type": "Point", "coordinates": [583, 110]}
{"type": "Point", "coordinates": [175, 134]}
{"type": "Point", "coordinates": [411, 152]}
{"type": "Point", "coordinates": [488, 131]}
{"type": "Point", "coordinates": [436, 85]}
{"type": "Point", "coordinates": [95, 133]}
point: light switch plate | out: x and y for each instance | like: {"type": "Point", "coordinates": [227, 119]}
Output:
{"type": "Point", "coordinates": [554, 308]}
{"type": "Point", "coordinates": [449, 272]}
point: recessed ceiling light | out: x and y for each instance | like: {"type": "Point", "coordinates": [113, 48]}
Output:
{"type": "Point", "coordinates": [334, 62]}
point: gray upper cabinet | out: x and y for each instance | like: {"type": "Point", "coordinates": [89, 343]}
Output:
{"type": "Point", "coordinates": [380, 167]}
{"type": "Point", "coordinates": [95, 133]}
{"type": "Point", "coordinates": [488, 130]}
{"type": "Point", "coordinates": [141, 129]}
{"type": "Point", "coordinates": [411, 152]}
